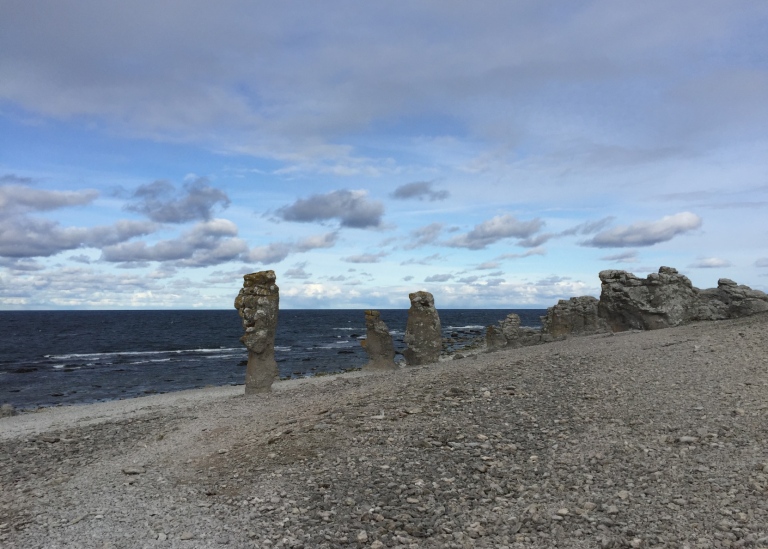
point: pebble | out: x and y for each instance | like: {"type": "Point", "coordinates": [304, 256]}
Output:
{"type": "Point", "coordinates": [537, 466]}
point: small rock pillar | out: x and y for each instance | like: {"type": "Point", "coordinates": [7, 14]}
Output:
{"type": "Point", "coordinates": [378, 344]}
{"type": "Point", "coordinates": [258, 303]}
{"type": "Point", "coordinates": [423, 336]}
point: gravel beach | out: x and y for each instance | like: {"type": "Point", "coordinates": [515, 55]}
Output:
{"type": "Point", "coordinates": [637, 439]}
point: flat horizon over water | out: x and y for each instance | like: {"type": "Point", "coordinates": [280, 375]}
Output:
{"type": "Point", "coordinates": [70, 357]}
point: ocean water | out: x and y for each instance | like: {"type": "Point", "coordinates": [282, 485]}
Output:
{"type": "Point", "coordinates": [67, 357]}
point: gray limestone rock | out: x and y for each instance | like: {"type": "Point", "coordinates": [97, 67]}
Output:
{"type": "Point", "coordinates": [729, 300]}
{"type": "Point", "coordinates": [258, 303]}
{"type": "Point", "coordinates": [494, 338]}
{"type": "Point", "coordinates": [575, 316]}
{"type": "Point", "coordinates": [660, 300]}
{"type": "Point", "coordinates": [7, 410]}
{"type": "Point", "coordinates": [423, 336]}
{"type": "Point", "coordinates": [378, 343]}
{"type": "Point", "coordinates": [669, 299]}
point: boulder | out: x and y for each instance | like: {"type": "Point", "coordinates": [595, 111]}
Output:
{"type": "Point", "coordinates": [660, 300]}
{"type": "Point", "coordinates": [378, 344]}
{"type": "Point", "coordinates": [423, 336]}
{"type": "Point", "coordinates": [575, 316]}
{"type": "Point", "coordinates": [258, 303]}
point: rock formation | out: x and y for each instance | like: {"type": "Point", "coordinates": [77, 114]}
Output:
{"type": "Point", "coordinates": [577, 316]}
{"type": "Point", "coordinates": [494, 338]}
{"type": "Point", "coordinates": [258, 304]}
{"type": "Point", "coordinates": [378, 344]}
{"type": "Point", "coordinates": [729, 300]}
{"type": "Point", "coordinates": [423, 336]}
{"type": "Point", "coordinates": [667, 298]}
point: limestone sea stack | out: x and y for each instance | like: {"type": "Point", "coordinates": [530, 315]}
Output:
{"type": "Point", "coordinates": [423, 336]}
{"type": "Point", "coordinates": [258, 303]}
{"type": "Point", "coordinates": [378, 344]}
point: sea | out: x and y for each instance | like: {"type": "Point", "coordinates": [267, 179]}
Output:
{"type": "Point", "coordinates": [50, 358]}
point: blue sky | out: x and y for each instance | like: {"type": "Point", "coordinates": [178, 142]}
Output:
{"type": "Point", "coordinates": [498, 155]}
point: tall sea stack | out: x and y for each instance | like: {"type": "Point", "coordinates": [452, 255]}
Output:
{"type": "Point", "coordinates": [423, 335]}
{"type": "Point", "coordinates": [258, 303]}
{"type": "Point", "coordinates": [378, 343]}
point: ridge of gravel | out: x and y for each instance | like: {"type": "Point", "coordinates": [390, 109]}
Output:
{"type": "Point", "coordinates": [639, 439]}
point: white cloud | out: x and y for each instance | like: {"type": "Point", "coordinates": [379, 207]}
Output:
{"type": "Point", "coordinates": [710, 263]}
{"type": "Point", "coordinates": [495, 229]}
{"type": "Point", "coordinates": [420, 190]}
{"type": "Point", "coordinates": [438, 278]}
{"type": "Point", "coordinates": [160, 201]}
{"type": "Point", "coordinates": [646, 233]}
{"type": "Point", "coordinates": [351, 208]}
{"type": "Point", "coordinates": [365, 258]}
{"type": "Point", "coordinates": [624, 257]}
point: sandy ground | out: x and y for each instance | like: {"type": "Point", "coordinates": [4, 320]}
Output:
{"type": "Point", "coordinates": [641, 439]}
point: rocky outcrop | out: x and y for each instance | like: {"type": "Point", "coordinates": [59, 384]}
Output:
{"type": "Point", "coordinates": [258, 303]}
{"type": "Point", "coordinates": [660, 300]}
{"type": "Point", "coordinates": [494, 338]}
{"type": "Point", "coordinates": [509, 333]}
{"type": "Point", "coordinates": [575, 316]}
{"type": "Point", "coordinates": [667, 298]}
{"type": "Point", "coordinates": [423, 336]}
{"type": "Point", "coordinates": [378, 344]}
{"type": "Point", "coordinates": [729, 300]}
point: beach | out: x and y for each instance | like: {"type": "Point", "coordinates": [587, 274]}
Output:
{"type": "Point", "coordinates": [634, 439]}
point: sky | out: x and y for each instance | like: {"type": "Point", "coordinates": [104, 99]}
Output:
{"type": "Point", "coordinates": [498, 154]}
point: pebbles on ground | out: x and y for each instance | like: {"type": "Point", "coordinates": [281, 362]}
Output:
{"type": "Point", "coordinates": [630, 440]}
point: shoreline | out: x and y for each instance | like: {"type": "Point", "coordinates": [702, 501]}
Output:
{"type": "Point", "coordinates": [639, 439]}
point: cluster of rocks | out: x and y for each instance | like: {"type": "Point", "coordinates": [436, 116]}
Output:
{"type": "Point", "coordinates": [668, 298]}
{"type": "Point", "coordinates": [627, 302]}
{"type": "Point", "coordinates": [258, 305]}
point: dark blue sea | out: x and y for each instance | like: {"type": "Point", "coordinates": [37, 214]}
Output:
{"type": "Point", "coordinates": [66, 357]}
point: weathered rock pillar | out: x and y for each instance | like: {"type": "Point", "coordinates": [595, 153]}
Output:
{"type": "Point", "coordinates": [378, 344]}
{"type": "Point", "coordinates": [258, 303]}
{"type": "Point", "coordinates": [423, 336]}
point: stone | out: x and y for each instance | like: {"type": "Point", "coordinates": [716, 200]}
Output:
{"type": "Point", "coordinates": [575, 316]}
{"type": "Point", "coordinates": [258, 304]}
{"type": "Point", "coordinates": [509, 334]}
{"type": "Point", "coordinates": [378, 344]}
{"type": "Point", "coordinates": [661, 300]}
{"type": "Point", "coordinates": [667, 299]}
{"type": "Point", "coordinates": [729, 300]}
{"type": "Point", "coordinates": [494, 338]}
{"type": "Point", "coordinates": [7, 410]}
{"type": "Point", "coordinates": [423, 337]}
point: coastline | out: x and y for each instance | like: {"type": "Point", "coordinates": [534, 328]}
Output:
{"type": "Point", "coordinates": [636, 439]}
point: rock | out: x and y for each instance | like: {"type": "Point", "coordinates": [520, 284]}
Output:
{"type": "Point", "coordinates": [134, 470]}
{"type": "Point", "coordinates": [7, 410]}
{"type": "Point", "coordinates": [378, 343]}
{"type": "Point", "coordinates": [729, 300]}
{"type": "Point", "coordinates": [494, 338]}
{"type": "Point", "coordinates": [422, 332]}
{"type": "Point", "coordinates": [509, 334]}
{"type": "Point", "coordinates": [575, 316]}
{"type": "Point", "coordinates": [667, 298]}
{"type": "Point", "coordinates": [258, 304]}
{"type": "Point", "coordinates": [660, 300]}
{"type": "Point", "coordinates": [362, 536]}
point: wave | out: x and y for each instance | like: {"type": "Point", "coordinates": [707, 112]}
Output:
{"type": "Point", "coordinates": [140, 353]}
